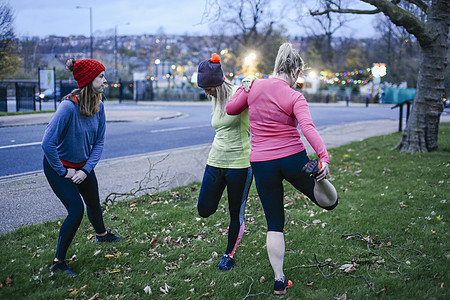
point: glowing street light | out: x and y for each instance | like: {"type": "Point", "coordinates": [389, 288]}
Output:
{"type": "Point", "coordinates": [379, 70]}
{"type": "Point", "coordinates": [250, 57]}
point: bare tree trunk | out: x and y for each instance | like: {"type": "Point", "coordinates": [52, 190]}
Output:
{"type": "Point", "coordinates": [421, 133]}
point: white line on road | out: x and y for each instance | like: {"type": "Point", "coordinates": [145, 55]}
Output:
{"type": "Point", "coordinates": [153, 131]}
{"type": "Point", "coordinates": [178, 128]}
{"type": "Point", "coordinates": [20, 145]}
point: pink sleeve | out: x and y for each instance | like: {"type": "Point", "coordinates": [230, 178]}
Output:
{"type": "Point", "coordinates": [238, 102]}
{"type": "Point", "coordinates": [301, 112]}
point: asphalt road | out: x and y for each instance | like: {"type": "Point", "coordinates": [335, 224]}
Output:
{"type": "Point", "coordinates": [21, 152]}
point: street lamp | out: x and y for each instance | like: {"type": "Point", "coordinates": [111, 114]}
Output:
{"type": "Point", "coordinates": [116, 48]}
{"type": "Point", "coordinates": [378, 71]}
{"type": "Point", "coordinates": [90, 22]}
{"type": "Point", "coordinates": [157, 62]}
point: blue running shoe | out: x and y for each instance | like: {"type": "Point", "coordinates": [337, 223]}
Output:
{"type": "Point", "coordinates": [107, 238]}
{"type": "Point", "coordinates": [61, 266]}
{"type": "Point", "coordinates": [312, 167]}
{"type": "Point", "coordinates": [226, 263]}
{"type": "Point", "coordinates": [280, 286]}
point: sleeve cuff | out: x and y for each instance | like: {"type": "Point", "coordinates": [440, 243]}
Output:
{"type": "Point", "coordinates": [86, 172]}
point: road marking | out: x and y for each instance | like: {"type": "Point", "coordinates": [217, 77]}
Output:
{"type": "Point", "coordinates": [178, 128]}
{"type": "Point", "coordinates": [21, 145]}
{"type": "Point", "coordinates": [21, 176]}
{"type": "Point", "coordinates": [153, 131]}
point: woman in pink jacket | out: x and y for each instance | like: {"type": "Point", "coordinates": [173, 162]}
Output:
{"type": "Point", "coordinates": [277, 153]}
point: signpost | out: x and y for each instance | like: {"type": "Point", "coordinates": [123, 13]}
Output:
{"type": "Point", "coordinates": [47, 81]}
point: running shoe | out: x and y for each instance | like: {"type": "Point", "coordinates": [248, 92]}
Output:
{"type": "Point", "coordinates": [226, 263]}
{"type": "Point", "coordinates": [61, 266]}
{"type": "Point", "coordinates": [280, 286]}
{"type": "Point", "coordinates": [107, 238]}
{"type": "Point", "coordinates": [312, 167]}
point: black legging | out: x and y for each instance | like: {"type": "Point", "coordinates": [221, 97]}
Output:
{"type": "Point", "coordinates": [238, 182]}
{"type": "Point", "coordinates": [269, 176]}
{"type": "Point", "coordinates": [69, 194]}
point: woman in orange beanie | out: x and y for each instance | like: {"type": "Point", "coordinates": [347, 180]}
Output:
{"type": "Point", "coordinates": [72, 144]}
{"type": "Point", "coordinates": [228, 164]}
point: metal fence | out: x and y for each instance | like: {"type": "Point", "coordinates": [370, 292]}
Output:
{"type": "Point", "coordinates": [25, 93]}
{"type": "Point", "coordinates": [3, 99]}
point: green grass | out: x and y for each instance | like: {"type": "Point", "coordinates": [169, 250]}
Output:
{"type": "Point", "coordinates": [391, 224]}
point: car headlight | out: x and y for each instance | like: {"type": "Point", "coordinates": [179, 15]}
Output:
{"type": "Point", "coordinates": [42, 96]}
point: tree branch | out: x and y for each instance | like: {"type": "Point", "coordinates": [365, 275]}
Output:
{"type": "Point", "coordinates": [396, 14]}
{"type": "Point", "coordinates": [420, 4]}
{"type": "Point", "coordinates": [401, 17]}
{"type": "Point", "coordinates": [345, 11]}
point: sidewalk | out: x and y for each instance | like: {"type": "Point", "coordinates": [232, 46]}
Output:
{"type": "Point", "coordinates": [31, 201]}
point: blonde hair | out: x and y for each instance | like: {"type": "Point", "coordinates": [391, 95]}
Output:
{"type": "Point", "coordinates": [88, 99]}
{"type": "Point", "coordinates": [288, 61]}
{"type": "Point", "coordinates": [223, 93]}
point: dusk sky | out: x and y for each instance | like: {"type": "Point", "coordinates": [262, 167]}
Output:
{"type": "Point", "coordinates": [61, 17]}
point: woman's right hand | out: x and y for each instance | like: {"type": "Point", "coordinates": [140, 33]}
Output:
{"type": "Point", "coordinates": [247, 82]}
{"type": "Point", "coordinates": [322, 174]}
{"type": "Point", "coordinates": [70, 173]}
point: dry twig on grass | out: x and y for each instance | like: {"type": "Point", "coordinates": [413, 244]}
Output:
{"type": "Point", "coordinates": [145, 186]}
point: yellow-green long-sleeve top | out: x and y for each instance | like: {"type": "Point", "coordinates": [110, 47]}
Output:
{"type": "Point", "coordinates": [231, 145]}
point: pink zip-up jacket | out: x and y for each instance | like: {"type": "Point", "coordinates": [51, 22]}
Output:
{"type": "Point", "coordinates": [274, 111]}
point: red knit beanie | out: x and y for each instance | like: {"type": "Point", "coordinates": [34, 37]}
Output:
{"type": "Point", "coordinates": [85, 70]}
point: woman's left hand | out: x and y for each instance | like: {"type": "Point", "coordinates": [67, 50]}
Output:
{"type": "Point", "coordinates": [322, 174]}
{"type": "Point", "coordinates": [79, 177]}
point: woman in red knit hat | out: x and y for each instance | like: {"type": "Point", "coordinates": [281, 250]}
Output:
{"type": "Point", "coordinates": [73, 144]}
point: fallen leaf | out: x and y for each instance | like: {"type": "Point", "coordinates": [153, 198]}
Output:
{"type": "Point", "coordinates": [206, 295]}
{"type": "Point", "coordinates": [84, 287]}
{"type": "Point", "coordinates": [310, 283]}
{"type": "Point", "coordinates": [73, 292]}
{"type": "Point", "coordinates": [341, 297]}
{"type": "Point", "coordinates": [109, 255]}
{"type": "Point", "coordinates": [9, 281]}
{"type": "Point", "coordinates": [164, 289]}
{"type": "Point", "coordinates": [95, 297]}
{"type": "Point", "coordinates": [148, 290]}
{"type": "Point", "coordinates": [442, 285]}
{"type": "Point", "coordinates": [262, 279]}
{"type": "Point", "coordinates": [345, 266]}
{"type": "Point", "coordinates": [238, 283]}
{"type": "Point", "coordinates": [433, 231]}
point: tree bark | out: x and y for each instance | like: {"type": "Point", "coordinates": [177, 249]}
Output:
{"type": "Point", "coordinates": [421, 133]}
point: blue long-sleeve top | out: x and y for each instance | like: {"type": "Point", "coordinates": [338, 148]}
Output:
{"type": "Point", "coordinates": [74, 138]}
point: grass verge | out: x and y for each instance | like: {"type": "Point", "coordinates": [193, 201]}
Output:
{"type": "Point", "coordinates": [388, 238]}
